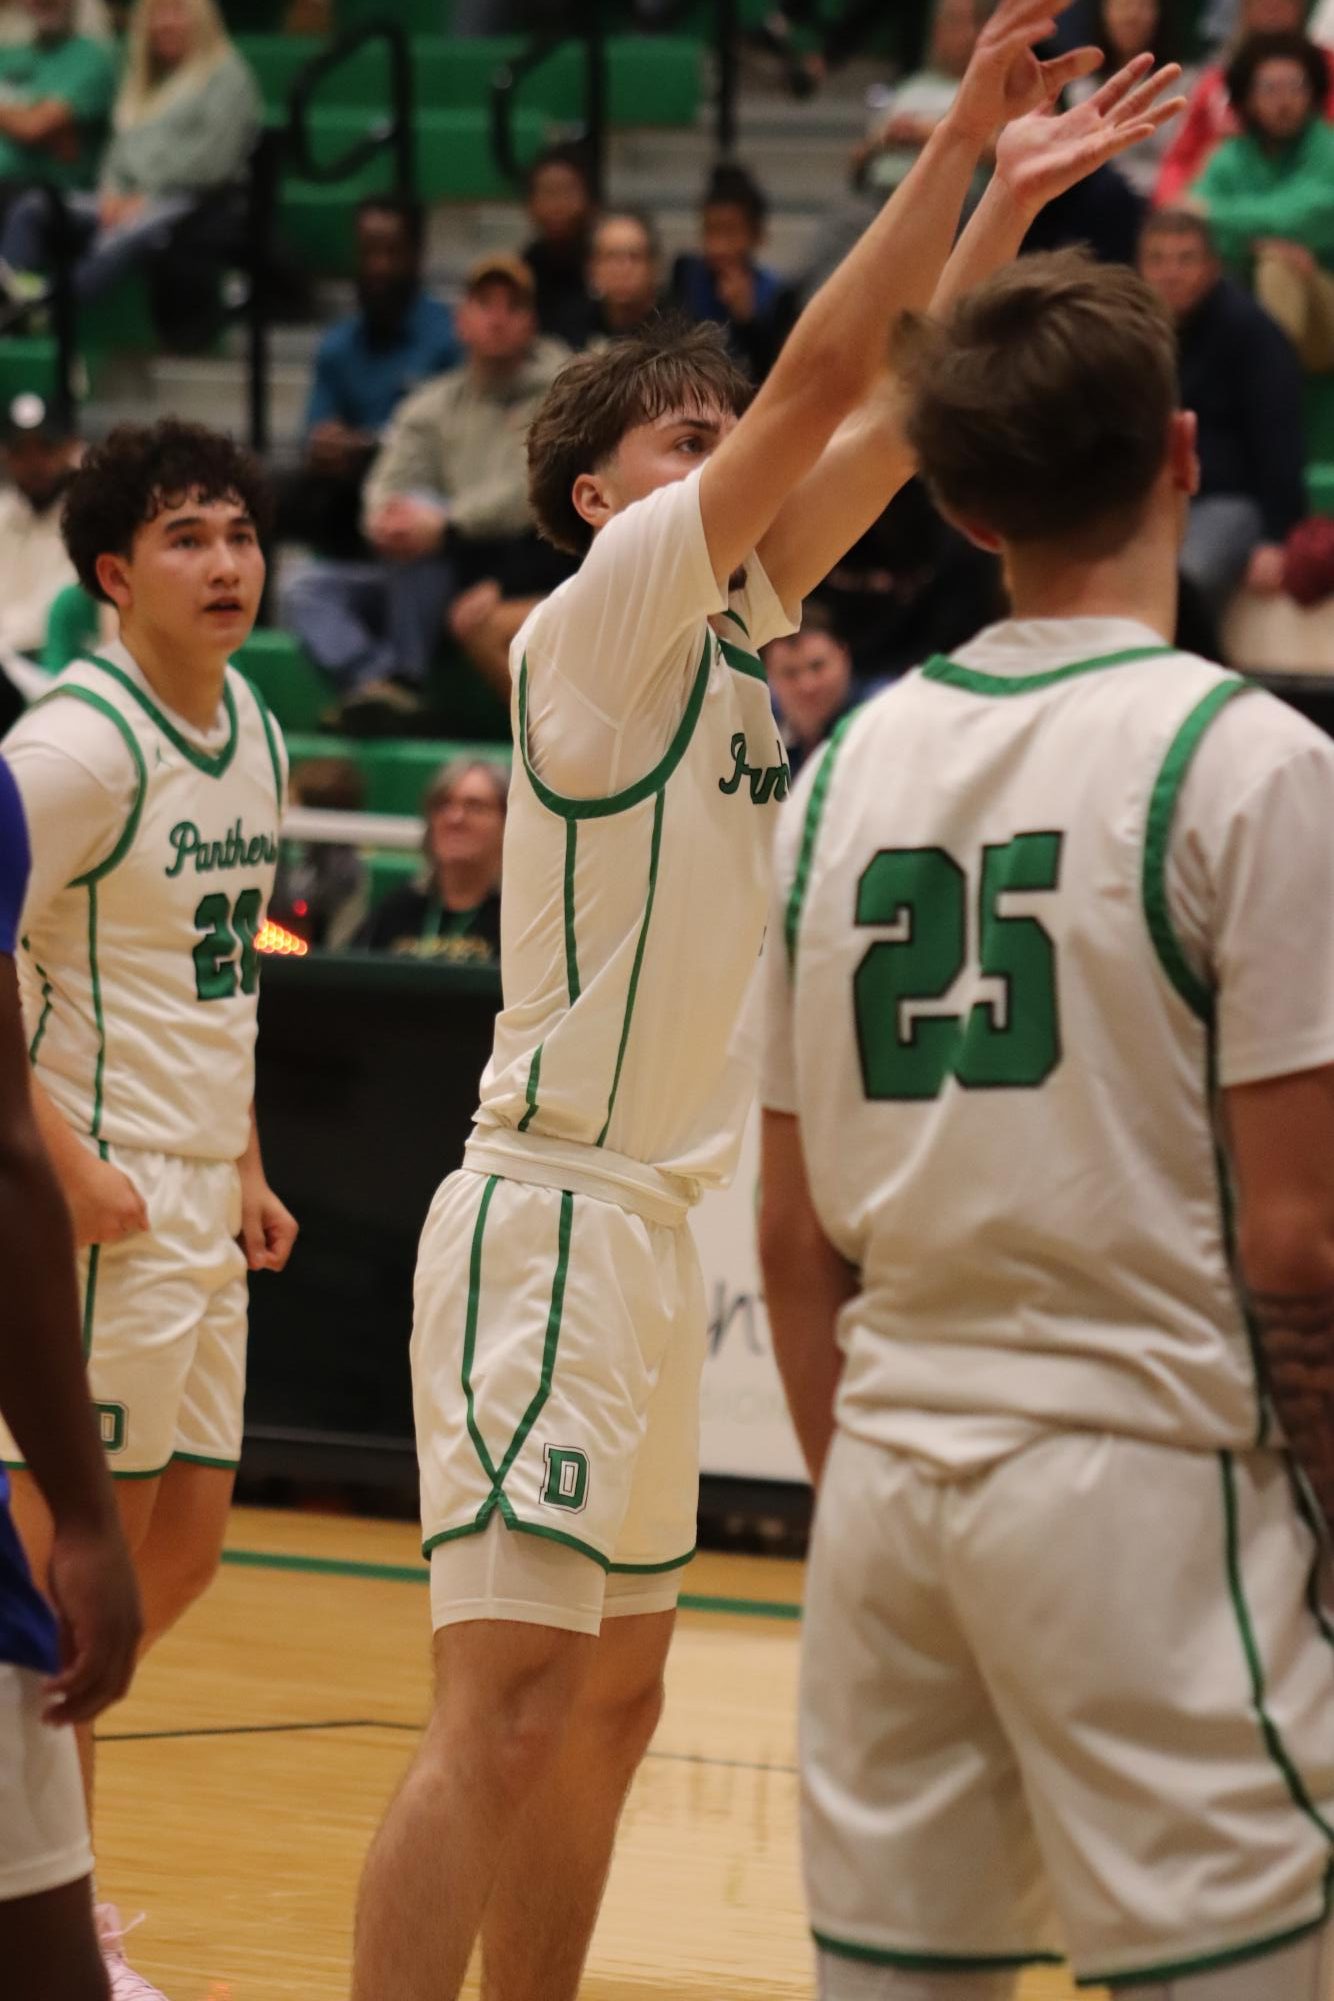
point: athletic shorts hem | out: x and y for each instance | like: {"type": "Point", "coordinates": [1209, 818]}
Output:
{"type": "Point", "coordinates": [1206, 1961]}
{"type": "Point", "coordinates": [651, 1569]}
{"type": "Point", "coordinates": [206, 1459]}
{"type": "Point", "coordinates": [54, 1871]}
{"type": "Point", "coordinates": [135, 1473]}
{"type": "Point", "coordinates": [913, 1961]}
{"type": "Point", "coordinates": [512, 1521]}
{"type": "Point", "coordinates": [516, 1612]}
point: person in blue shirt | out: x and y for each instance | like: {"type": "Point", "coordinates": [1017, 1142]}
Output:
{"type": "Point", "coordinates": [724, 280]}
{"type": "Point", "coordinates": [365, 365]}
{"type": "Point", "coordinates": [64, 1665]}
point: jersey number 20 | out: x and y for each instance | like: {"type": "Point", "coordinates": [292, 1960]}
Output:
{"type": "Point", "coordinates": [1011, 1042]}
{"type": "Point", "coordinates": [229, 931]}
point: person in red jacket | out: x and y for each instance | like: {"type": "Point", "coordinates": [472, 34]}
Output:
{"type": "Point", "coordinates": [1209, 116]}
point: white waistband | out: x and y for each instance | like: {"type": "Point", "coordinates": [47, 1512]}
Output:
{"type": "Point", "coordinates": [585, 1170]}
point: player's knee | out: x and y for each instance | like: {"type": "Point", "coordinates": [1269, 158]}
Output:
{"type": "Point", "coordinates": [175, 1588]}
{"type": "Point", "coordinates": [623, 1720]}
{"type": "Point", "coordinates": [508, 1732]}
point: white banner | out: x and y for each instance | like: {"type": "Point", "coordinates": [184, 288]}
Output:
{"type": "Point", "coordinates": [746, 1431]}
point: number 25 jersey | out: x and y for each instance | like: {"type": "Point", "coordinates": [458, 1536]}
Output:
{"type": "Point", "coordinates": [1038, 905]}
{"type": "Point", "coordinates": [139, 973]}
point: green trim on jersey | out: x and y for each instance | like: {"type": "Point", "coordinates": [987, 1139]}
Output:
{"type": "Point", "coordinates": [48, 1002]}
{"type": "Point", "coordinates": [214, 764]}
{"type": "Point", "coordinates": [1227, 1209]}
{"type": "Point", "coordinates": [99, 1019]}
{"type": "Point", "coordinates": [654, 851]}
{"type": "Point", "coordinates": [571, 955]}
{"type": "Point", "coordinates": [737, 619]}
{"type": "Point", "coordinates": [530, 1088]}
{"type": "Point", "coordinates": [1269, 1730]}
{"type": "Point", "coordinates": [652, 1569]}
{"type": "Point", "coordinates": [498, 1474]}
{"type": "Point", "coordinates": [266, 717]}
{"type": "Point", "coordinates": [933, 1962]}
{"type": "Point", "coordinates": [742, 662]}
{"type": "Point", "coordinates": [131, 827]}
{"type": "Point", "coordinates": [90, 1294]}
{"type": "Point", "coordinates": [644, 788]}
{"type": "Point", "coordinates": [1236, 1955]}
{"type": "Point", "coordinates": [1157, 841]}
{"type": "Point", "coordinates": [810, 831]}
{"type": "Point", "coordinates": [973, 682]}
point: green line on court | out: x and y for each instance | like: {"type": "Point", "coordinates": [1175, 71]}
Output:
{"type": "Point", "coordinates": [418, 1573]}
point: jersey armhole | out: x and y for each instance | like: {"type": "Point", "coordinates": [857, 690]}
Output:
{"type": "Point", "coordinates": [131, 742]}
{"type": "Point", "coordinates": [810, 834]}
{"type": "Point", "coordinates": [643, 788]}
{"type": "Point", "coordinates": [1163, 801]}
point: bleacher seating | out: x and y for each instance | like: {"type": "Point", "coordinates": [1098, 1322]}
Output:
{"type": "Point", "coordinates": [396, 772]}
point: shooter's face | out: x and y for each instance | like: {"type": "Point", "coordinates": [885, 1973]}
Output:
{"type": "Point", "coordinates": [657, 454]}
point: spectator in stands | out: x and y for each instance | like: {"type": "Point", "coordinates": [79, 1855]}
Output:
{"type": "Point", "coordinates": [446, 503]}
{"type": "Point", "coordinates": [1124, 29]}
{"type": "Point", "coordinates": [91, 18]}
{"type": "Point", "coordinates": [724, 280]}
{"type": "Point", "coordinates": [185, 122]}
{"type": "Point", "coordinates": [1269, 195]}
{"type": "Point", "coordinates": [56, 90]}
{"type": "Point", "coordinates": [364, 367]}
{"type": "Point", "coordinates": [1209, 117]}
{"type": "Point", "coordinates": [454, 911]}
{"type": "Point", "coordinates": [812, 683]}
{"type": "Point", "coordinates": [321, 890]}
{"type": "Point", "coordinates": [1241, 378]}
{"type": "Point", "coordinates": [913, 586]}
{"type": "Point", "coordinates": [562, 206]}
{"type": "Point", "coordinates": [919, 103]}
{"type": "Point", "coordinates": [38, 454]}
{"type": "Point", "coordinates": [624, 275]}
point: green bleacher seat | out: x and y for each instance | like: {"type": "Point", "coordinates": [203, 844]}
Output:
{"type": "Point", "coordinates": [27, 367]}
{"type": "Point", "coordinates": [419, 17]}
{"type": "Point", "coordinates": [1320, 485]}
{"type": "Point", "coordinates": [288, 679]}
{"type": "Point", "coordinates": [396, 772]}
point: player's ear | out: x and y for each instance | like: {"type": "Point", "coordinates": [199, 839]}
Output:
{"type": "Point", "coordinates": [113, 577]}
{"type": "Point", "coordinates": [1184, 452]}
{"type": "Point", "coordinates": [593, 502]}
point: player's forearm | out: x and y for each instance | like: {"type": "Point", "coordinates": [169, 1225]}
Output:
{"type": "Point", "coordinates": [806, 1284]}
{"type": "Point", "coordinates": [992, 239]}
{"type": "Point", "coordinates": [1294, 1314]}
{"type": "Point", "coordinates": [837, 349]}
{"type": "Point", "coordinates": [71, 1156]}
{"type": "Point", "coordinates": [43, 1386]}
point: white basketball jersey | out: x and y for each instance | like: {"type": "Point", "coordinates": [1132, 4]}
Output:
{"type": "Point", "coordinates": [140, 980]}
{"type": "Point", "coordinates": [631, 931]}
{"type": "Point", "coordinates": [1005, 1060]}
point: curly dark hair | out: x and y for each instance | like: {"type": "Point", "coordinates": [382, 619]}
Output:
{"type": "Point", "coordinates": [1257, 50]}
{"type": "Point", "coordinates": [668, 365]}
{"type": "Point", "coordinates": [141, 469]}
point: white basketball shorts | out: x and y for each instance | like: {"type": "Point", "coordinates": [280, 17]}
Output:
{"type": "Point", "coordinates": [164, 1321]}
{"type": "Point", "coordinates": [43, 1824]}
{"type": "Point", "coordinates": [1081, 1704]}
{"type": "Point", "coordinates": [557, 1348]}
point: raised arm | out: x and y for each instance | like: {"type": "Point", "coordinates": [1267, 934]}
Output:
{"type": "Point", "coordinates": [836, 352]}
{"type": "Point", "coordinates": [1037, 158]}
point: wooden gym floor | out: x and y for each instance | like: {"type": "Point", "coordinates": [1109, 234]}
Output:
{"type": "Point", "coordinates": [242, 1780]}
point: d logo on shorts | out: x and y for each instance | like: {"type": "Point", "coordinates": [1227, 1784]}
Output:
{"type": "Point", "coordinates": [113, 1424]}
{"type": "Point", "coordinates": [566, 1483]}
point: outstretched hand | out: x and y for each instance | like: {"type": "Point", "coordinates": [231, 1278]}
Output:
{"type": "Point", "coordinates": [1043, 153]}
{"type": "Point", "coordinates": [1005, 79]}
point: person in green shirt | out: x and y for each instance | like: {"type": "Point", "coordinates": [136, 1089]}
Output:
{"type": "Point", "coordinates": [185, 119]}
{"type": "Point", "coordinates": [1269, 195]}
{"type": "Point", "coordinates": [55, 99]}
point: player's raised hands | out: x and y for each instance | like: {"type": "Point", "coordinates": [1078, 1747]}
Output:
{"type": "Point", "coordinates": [1041, 155]}
{"type": "Point", "coordinates": [1005, 78]}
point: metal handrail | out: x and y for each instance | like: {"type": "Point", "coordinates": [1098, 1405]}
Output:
{"type": "Point", "coordinates": [397, 132]}
{"type": "Point", "coordinates": [506, 80]}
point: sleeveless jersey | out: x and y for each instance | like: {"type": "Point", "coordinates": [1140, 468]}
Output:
{"type": "Point", "coordinates": [140, 980]}
{"type": "Point", "coordinates": [1006, 1061]}
{"type": "Point", "coordinates": [631, 928]}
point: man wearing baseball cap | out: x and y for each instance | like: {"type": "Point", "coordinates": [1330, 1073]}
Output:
{"type": "Point", "coordinates": [446, 501]}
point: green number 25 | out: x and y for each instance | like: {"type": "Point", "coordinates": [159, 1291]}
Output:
{"type": "Point", "coordinates": [1011, 1042]}
{"type": "Point", "coordinates": [229, 932]}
